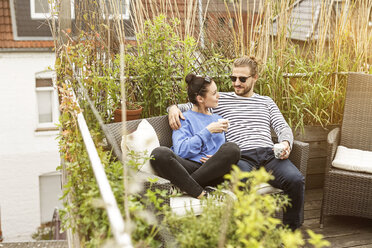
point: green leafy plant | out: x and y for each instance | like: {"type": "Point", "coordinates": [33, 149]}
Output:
{"type": "Point", "coordinates": [44, 232]}
{"type": "Point", "coordinates": [247, 221]}
{"type": "Point", "coordinates": [83, 210]}
{"type": "Point", "coordinates": [160, 63]}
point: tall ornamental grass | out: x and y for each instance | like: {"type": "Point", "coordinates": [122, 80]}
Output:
{"type": "Point", "coordinates": [305, 78]}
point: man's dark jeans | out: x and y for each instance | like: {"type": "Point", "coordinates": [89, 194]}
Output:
{"type": "Point", "coordinates": [287, 177]}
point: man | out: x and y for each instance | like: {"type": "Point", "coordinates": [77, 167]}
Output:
{"type": "Point", "coordinates": [251, 118]}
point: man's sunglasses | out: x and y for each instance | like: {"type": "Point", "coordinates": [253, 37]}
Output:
{"type": "Point", "coordinates": [241, 79]}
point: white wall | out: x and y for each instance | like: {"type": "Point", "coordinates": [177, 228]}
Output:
{"type": "Point", "coordinates": [18, 102]}
{"type": "Point", "coordinates": [24, 154]}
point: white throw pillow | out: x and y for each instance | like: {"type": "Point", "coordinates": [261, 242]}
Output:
{"type": "Point", "coordinates": [143, 139]}
{"type": "Point", "coordinates": [353, 159]}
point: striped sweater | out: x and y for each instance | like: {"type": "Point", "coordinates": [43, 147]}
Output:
{"type": "Point", "coordinates": [251, 120]}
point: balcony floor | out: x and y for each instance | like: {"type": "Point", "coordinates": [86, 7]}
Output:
{"type": "Point", "coordinates": [341, 231]}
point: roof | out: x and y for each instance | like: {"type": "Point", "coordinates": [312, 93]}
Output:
{"type": "Point", "coordinates": [33, 244]}
{"type": "Point", "coordinates": [304, 19]}
{"type": "Point", "coordinates": [220, 6]}
{"type": "Point", "coordinates": [6, 32]}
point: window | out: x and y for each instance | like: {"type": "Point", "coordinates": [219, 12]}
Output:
{"type": "Point", "coordinates": [43, 9]}
{"type": "Point", "coordinates": [232, 22]}
{"type": "Point", "coordinates": [221, 21]}
{"type": "Point", "coordinates": [206, 20]}
{"type": "Point", "coordinates": [119, 8]}
{"type": "Point", "coordinates": [47, 102]}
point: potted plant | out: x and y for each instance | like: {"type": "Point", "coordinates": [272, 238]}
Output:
{"type": "Point", "coordinates": [133, 108]}
{"type": "Point", "coordinates": [133, 112]}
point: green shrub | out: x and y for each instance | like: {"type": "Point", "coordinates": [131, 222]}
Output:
{"type": "Point", "coordinates": [160, 64]}
{"type": "Point", "coordinates": [246, 222]}
{"type": "Point", "coordinates": [44, 232]}
{"type": "Point", "coordinates": [84, 210]}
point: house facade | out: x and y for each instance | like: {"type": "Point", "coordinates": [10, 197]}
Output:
{"type": "Point", "coordinates": [29, 112]}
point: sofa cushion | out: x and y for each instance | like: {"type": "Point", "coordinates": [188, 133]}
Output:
{"type": "Point", "coordinates": [353, 159]}
{"type": "Point", "coordinates": [141, 140]}
{"type": "Point", "coordinates": [182, 204]}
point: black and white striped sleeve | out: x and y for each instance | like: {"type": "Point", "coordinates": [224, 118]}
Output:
{"type": "Point", "coordinates": [279, 125]}
{"type": "Point", "coordinates": [185, 106]}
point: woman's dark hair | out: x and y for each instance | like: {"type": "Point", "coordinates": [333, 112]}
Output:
{"type": "Point", "coordinates": [196, 85]}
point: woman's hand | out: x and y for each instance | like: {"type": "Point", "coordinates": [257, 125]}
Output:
{"type": "Point", "coordinates": [204, 159]}
{"type": "Point", "coordinates": [218, 127]}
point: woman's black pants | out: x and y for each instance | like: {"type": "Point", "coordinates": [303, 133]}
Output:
{"type": "Point", "coordinates": [191, 176]}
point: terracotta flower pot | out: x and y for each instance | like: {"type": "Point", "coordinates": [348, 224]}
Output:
{"type": "Point", "coordinates": [132, 114]}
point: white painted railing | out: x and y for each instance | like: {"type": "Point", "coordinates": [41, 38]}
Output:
{"type": "Point", "coordinates": [116, 219]}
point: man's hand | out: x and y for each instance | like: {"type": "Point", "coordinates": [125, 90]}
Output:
{"type": "Point", "coordinates": [286, 150]}
{"type": "Point", "coordinates": [204, 159]}
{"type": "Point", "coordinates": [174, 116]}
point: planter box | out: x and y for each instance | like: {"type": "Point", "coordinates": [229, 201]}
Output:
{"type": "Point", "coordinates": [316, 136]}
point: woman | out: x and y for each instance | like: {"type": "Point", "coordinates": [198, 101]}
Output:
{"type": "Point", "coordinates": [199, 156]}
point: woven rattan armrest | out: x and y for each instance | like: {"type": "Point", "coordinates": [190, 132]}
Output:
{"type": "Point", "coordinates": [153, 182]}
{"type": "Point", "coordinates": [300, 155]}
{"type": "Point", "coordinates": [333, 141]}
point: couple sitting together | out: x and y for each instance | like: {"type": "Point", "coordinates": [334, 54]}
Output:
{"type": "Point", "coordinates": [200, 156]}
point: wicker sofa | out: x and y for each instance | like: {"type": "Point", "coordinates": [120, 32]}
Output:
{"type": "Point", "coordinates": [299, 155]}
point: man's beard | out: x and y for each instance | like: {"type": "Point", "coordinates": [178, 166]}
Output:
{"type": "Point", "coordinates": [246, 90]}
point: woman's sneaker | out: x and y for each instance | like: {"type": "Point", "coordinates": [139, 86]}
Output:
{"type": "Point", "coordinates": [211, 192]}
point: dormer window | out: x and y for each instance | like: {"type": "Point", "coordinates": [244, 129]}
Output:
{"type": "Point", "coordinates": [44, 9]}
{"type": "Point", "coordinates": [117, 9]}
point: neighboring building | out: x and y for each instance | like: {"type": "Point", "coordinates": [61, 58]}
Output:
{"type": "Point", "coordinates": [305, 18]}
{"type": "Point", "coordinates": [29, 111]}
{"type": "Point", "coordinates": [308, 20]}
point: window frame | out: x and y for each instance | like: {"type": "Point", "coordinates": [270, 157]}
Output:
{"type": "Point", "coordinates": [124, 16]}
{"type": "Point", "coordinates": [47, 126]}
{"type": "Point", "coordinates": [42, 16]}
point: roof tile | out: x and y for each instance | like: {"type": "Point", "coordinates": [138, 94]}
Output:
{"type": "Point", "coordinates": [6, 33]}
{"type": "Point", "coordinates": [7, 12]}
